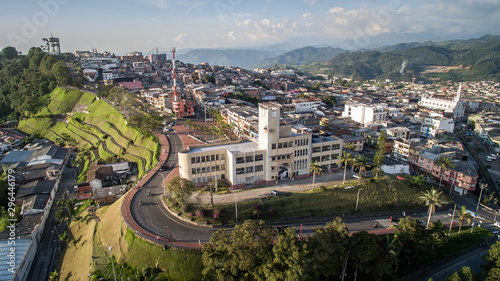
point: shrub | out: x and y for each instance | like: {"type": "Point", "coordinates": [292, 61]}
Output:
{"type": "Point", "coordinates": [200, 213]}
{"type": "Point", "coordinates": [323, 188]}
{"type": "Point", "coordinates": [217, 213]}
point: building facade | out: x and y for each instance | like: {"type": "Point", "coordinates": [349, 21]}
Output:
{"type": "Point", "coordinates": [278, 154]}
{"type": "Point", "coordinates": [456, 106]}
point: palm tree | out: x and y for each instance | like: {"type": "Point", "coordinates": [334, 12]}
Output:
{"type": "Point", "coordinates": [59, 215]}
{"type": "Point", "coordinates": [188, 125]}
{"type": "Point", "coordinates": [432, 199]}
{"type": "Point", "coordinates": [463, 215]}
{"type": "Point", "coordinates": [445, 163]}
{"type": "Point", "coordinates": [361, 162]}
{"type": "Point", "coordinates": [315, 168]}
{"type": "Point", "coordinates": [54, 275]}
{"type": "Point", "coordinates": [346, 159]}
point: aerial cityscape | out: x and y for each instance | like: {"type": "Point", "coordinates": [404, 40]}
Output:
{"type": "Point", "coordinates": [238, 140]}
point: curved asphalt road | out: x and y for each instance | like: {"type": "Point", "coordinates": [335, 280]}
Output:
{"type": "Point", "coordinates": [152, 215]}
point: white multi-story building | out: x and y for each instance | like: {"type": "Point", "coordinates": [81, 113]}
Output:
{"type": "Point", "coordinates": [455, 106]}
{"type": "Point", "coordinates": [278, 154]}
{"type": "Point", "coordinates": [365, 114]}
{"type": "Point", "coordinates": [433, 124]}
{"type": "Point", "coordinates": [303, 106]}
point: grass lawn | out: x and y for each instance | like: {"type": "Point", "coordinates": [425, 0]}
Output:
{"type": "Point", "coordinates": [94, 236]}
{"type": "Point", "coordinates": [383, 194]}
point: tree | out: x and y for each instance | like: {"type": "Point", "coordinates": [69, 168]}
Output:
{"type": "Point", "coordinates": [417, 181]}
{"type": "Point", "coordinates": [180, 188]}
{"type": "Point", "coordinates": [346, 159]}
{"type": "Point", "coordinates": [464, 274]}
{"type": "Point", "coordinates": [378, 159]}
{"type": "Point", "coordinates": [61, 73]}
{"type": "Point", "coordinates": [9, 52]}
{"type": "Point", "coordinates": [362, 163]}
{"type": "Point", "coordinates": [463, 216]}
{"type": "Point", "coordinates": [314, 168]}
{"type": "Point", "coordinates": [188, 125]}
{"type": "Point", "coordinates": [445, 163]}
{"type": "Point", "coordinates": [328, 250]}
{"type": "Point", "coordinates": [240, 255]}
{"type": "Point", "coordinates": [366, 257]}
{"type": "Point", "coordinates": [432, 199]}
{"type": "Point", "coordinates": [288, 259]}
{"type": "Point", "coordinates": [59, 215]}
{"type": "Point", "coordinates": [492, 262]}
{"type": "Point", "coordinates": [415, 243]}
{"type": "Point", "coordinates": [54, 275]}
{"type": "Point", "coordinates": [70, 205]}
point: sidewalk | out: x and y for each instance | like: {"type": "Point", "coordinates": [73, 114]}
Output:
{"type": "Point", "coordinates": [294, 186]}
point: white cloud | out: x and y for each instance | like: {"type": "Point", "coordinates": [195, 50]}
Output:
{"type": "Point", "coordinates": [180, 38]}
{"type": "Point", "coordinates": [231, 35]}
{"type": "Point", "coordinates": [307, 16]}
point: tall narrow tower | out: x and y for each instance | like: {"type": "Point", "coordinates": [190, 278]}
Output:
{"type": "Point", "coordinates": [173, 74]}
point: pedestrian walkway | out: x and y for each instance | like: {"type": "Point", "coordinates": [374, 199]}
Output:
{"type": "Point", "coordinates": [294, 186]}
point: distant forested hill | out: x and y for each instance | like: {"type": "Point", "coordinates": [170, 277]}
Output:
{"type": "Point", "coordinates": [302, 56]}
{"type": "Point", "coordinates": [479, 60]}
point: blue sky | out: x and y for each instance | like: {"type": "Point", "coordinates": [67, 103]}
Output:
{"type": "Point", "coordinates": [121, 26]}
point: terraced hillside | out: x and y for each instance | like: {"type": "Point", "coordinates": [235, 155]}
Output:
{"type": "Point", "coordinates": [95, 127]}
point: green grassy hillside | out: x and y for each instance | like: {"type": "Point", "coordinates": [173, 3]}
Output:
{"type": "Point", "coordinates": [99, 130]}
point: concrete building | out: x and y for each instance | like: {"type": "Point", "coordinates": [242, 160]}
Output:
{"type": "Point", "coordinates": [278, 154]}
{"type": "Point", "coordinates": [432, 125]}
{"type": "Point", "coordinates": [365, 114]}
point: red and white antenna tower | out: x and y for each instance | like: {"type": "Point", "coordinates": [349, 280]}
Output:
{"type": "Point", "coordinates": [174, 75]}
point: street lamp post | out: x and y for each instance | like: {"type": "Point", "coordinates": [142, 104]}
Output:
{"type": "Point", "coordinates": [236, 205]}
{"type": "Point", "coordinates": [482, 186]}
{"type": "Point", "coordinates": [163, 184]}
{"type": "Point", "coordinates": [357, 200]}
{"type": "Point", "coordinates": [112, 262]}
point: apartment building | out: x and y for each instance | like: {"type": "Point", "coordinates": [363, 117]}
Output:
{"type": "Point", "coordinates": [365, 114]}
{"type": "Point", "coordinates": [432, 125]}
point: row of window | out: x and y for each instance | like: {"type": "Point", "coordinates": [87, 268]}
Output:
{"type": "Point", "coordinates": [301, 152]}
{"type": "Point", "coordinates": [279, 157]}
{"type": "Point", "coordinates": [249, 158]}
{"type": "Point", "coordinates": [207, 179]}
{"type": "Point", "coordinates": [300, 164]}
{"type": "Point", "coordinates": [246, 170]}
{"type": "Point", "coordinates": [249, 180]}
{"type": "Point", "coordinates": [201, 170]}
{"type": "Point", "coordinates": [207, 158]}
{"type": "Point", "coordinates": [325, 158]}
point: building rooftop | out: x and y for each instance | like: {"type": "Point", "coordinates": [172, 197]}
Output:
{"type": "Point", "coordinates": [244, 146]}
{"type": "Point", "coordinates": [21, 247]}
{"type": "Point", "coordinates": [35, 187]}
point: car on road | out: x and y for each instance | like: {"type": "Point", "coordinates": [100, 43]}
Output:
{"type": "Point", "coordinates": [488, 158]}
{"type": "Point", "coordinates": [493, 156]}
{"type": "Point", "coordinates": [497, 224]}
{"type": "Point", "coordinates": [355, 176]}
{"type": "Point", "coordinates": [163, 167]}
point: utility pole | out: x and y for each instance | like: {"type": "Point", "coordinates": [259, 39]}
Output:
{"type": "Point", "coordinates": [236, 205]}
{"type": "Point", "coordinates": [452, 217]}
{"type": "Point", "coordinates": [482, 186]}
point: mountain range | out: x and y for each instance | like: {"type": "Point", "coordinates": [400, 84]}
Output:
{"type": "Point", "coordinates": [479, 58]}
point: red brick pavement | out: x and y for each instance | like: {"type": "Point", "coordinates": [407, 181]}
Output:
{"type": "Point", "coordinates": [127, 201]}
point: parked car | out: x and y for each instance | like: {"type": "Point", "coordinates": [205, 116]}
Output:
{"type": "Point", "coordinates": [497, 224]}
{"type": "Point", "coordinates": [493, 156]}
{"type": "Point", "coordinates": [488, 158]}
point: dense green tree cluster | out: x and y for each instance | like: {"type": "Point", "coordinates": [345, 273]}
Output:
{"type": "Point", "coordinates": [255, 251]}
{"type": "Point", "coordinates": [26, 81]}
